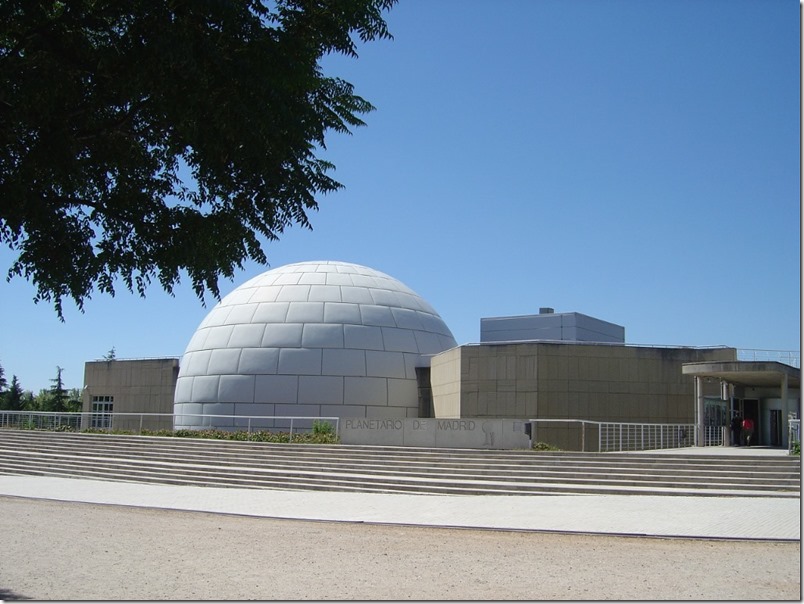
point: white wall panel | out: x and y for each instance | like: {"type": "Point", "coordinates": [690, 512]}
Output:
{"type": "Point", "coordinates": [305, 312]}
{"type": "Point", "coordinates": [205, 389]}
{"type": "Point", "coordinates": [357, 295]}
{"type": "Point", "coordinates": [246, 336]}
{"type": "Point", "coordinates": [365, 391]}
{"type": "Point", "coordinates": [324, 293]}
{"type": "Point", "coordinates": [276, 389]}
{"type": "Point", "coordinates": [400, 340]}
{"type": "Point", "coordinates": [218, 337]}
{"type": "Point", "coordinates": [223, 360]}
{"type": "Point", "coordinates": [197, 363]}
{"type": "Point", "coordinates": [300, 361]}
{"type": "Point", "coordinates": [385, 364]}
{"type": "Point", "coordinates": [373, 314]}
{"type": "Point", "coordinates": [322, 336]}
{"type": "Point", "coordinates": [258, 361]}
{"type": "Point", "coordinates": [344, 362]}
{"type": "Point", "coordinates": [342, 313]}
{"type": "Point", "coordinates": [271, 312]}
{"type": "Point", "coordinates": [363, 336]}
{"type": "Point", "coordinates": [320, 390]}
{"type": "Point", "coordinates": [279, 335]}
{"type": "Point", "coordinates": [236, 388]}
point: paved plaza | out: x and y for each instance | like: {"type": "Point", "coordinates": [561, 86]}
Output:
{"type": "Point", "coordinates": [72, 539]}
{"type": "Point", "coordinates": [765, 518]}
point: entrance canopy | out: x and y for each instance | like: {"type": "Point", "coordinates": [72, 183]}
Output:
{"type": "Point", "coordinates": [751, 374]}
{"type": "Point", "coordinates": [746, 373]}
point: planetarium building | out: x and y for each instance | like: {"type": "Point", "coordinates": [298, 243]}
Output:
{"type": "Point", "coordinates": [311, 339]}
{"type": "Point", "coordinates": [340, 340]}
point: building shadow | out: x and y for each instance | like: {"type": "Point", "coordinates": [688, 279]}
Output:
{"type": "Point", "coordinates": [8, 594]}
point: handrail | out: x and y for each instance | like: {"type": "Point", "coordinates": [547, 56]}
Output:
{"type": "Point", "coordinates": [788, 357]}
{"type": "Point", "coordinates": [635, 436]}
{"type": "Point", "coordinates": [78, 419]}
{"type": "Point", "coordinates": [793, 433]}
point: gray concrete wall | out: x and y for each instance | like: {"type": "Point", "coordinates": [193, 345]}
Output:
{"type": "Point", "coordinates": [597, 382]}
{"type": "Point", "coordinates": [137, 386]}
{"type": "Point", "coordinates": [455, 433]}
{"type": "Point", "coordinates": [446, 373]}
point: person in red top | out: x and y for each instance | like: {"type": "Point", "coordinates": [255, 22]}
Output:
{"type": "Point", "coordinates": [748, 431]}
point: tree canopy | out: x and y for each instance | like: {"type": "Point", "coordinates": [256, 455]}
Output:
{"type": "Point", "coordinates": [144, 139]}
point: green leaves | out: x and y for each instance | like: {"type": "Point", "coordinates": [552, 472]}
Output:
{"type": "Point", "coordinates": [102, 103]}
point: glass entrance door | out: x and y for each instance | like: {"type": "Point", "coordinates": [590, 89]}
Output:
{"type": "Point", "coordinates": [776, 427]}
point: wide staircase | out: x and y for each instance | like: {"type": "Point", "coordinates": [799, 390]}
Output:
{"type": "Point", "coordinates": [215, 463]}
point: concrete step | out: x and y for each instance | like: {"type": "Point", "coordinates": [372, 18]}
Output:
{"type": "Point", "coordinates": [389, 485]}
{"type": "Point", "coordinates": [260, 474]}
{"type": "Point", "coordinates": [648, 474]}
{"type": "Point", "coordinates": [383, 469]}
{"type": "Point", "coordinates": [404, 455]}
{"type": "Point", "coordinates": [410, 452]}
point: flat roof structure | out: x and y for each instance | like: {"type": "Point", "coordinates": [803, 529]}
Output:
{"type": "Point", "coordinates": [746, 373]}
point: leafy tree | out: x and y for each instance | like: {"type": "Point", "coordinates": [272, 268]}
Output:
{"type": "Point", "coordinates": [111, 355]}
{"type": "Point", "coordinates": [29, 401]}
{"type": "Point", "coordinates": [74, 402]}
{"type": "Point", "coordinates": [12, 398]}
{"type": "Point", "coordinates": [3, 381]}
{"type": "Point", "coordinates": [142, 139]}
{"type": "Point", "coordinates": [57, 400]}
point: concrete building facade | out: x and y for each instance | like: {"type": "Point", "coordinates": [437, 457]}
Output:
{"type": "Point", "coordinates": [569, 380]}
{"type": "Point", "coordinates": [130, 386]}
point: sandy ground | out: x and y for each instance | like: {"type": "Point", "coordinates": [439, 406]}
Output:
{"type": "Point", "coordinates": [77, 551]}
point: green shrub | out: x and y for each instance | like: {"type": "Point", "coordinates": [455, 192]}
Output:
{"type": "Point", "coordinates": [796, 448]}
{"type": "Point", "coordinates": [321, 427]}
{"type": "Point", "coordinates": [320, 437]}
{"type": "Point", "coordinates": [161, 432]}
{"type": "Point", "coordinates": [540, 446]}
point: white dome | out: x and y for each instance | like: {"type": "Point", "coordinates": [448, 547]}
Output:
{"type": "Point", "coordinates": [310, 339]}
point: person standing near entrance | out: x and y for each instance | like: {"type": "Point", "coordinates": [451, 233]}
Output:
{"type": "Point", "coordinates": [736, 429]}
{"type": "Point", "coordinates": [748, 430]}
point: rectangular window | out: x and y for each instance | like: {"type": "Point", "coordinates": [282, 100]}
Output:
{"type": "Point", "coordinates": [102, 407]}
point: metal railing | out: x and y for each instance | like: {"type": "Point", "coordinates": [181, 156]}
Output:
{"type": "Point", "coordinates": [788, 357]}
{"type": "Point", "coordinates": [140, 422]}
{"type": "Point", "coordinates": [714, 435]}
{"type": "Point", "coordinates": [625, 436]}
{"type": "Point", "coordinates": [793, 433]}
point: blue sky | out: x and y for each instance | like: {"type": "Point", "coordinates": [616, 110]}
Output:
{"type": "Point", "coordinates": [634, 160]}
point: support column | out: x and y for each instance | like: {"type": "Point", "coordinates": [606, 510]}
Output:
{"type": "Point", "coordinates": [699, 412]}
{"type": "Point", "coordinates": [785, 413]}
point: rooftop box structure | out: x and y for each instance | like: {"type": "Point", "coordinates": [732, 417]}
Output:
{"type": "Point", "coordinates": [550, 326]}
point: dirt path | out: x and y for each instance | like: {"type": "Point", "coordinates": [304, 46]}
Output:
{"type": "Point", "coordinates": [78, 551]}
